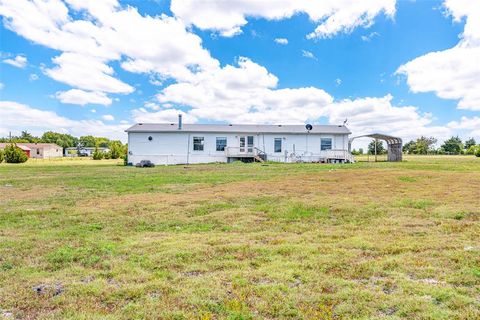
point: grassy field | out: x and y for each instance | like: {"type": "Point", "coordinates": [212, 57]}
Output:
{"type": "Point", "coordinates": [96, 240]}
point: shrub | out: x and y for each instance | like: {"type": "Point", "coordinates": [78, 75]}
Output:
{"type": "Point", "coordinates": [478, 152]}
{"type": "Point", "coordinates": [14, 154]}
{"type": "Point", "coordinates": [1, 156]}
{"type": "Point", "coordinates": [107, 155]}
{"type": "Point", "coordinates": [97, 154]}
{"type": "Point", "coordinates": [125, 160]}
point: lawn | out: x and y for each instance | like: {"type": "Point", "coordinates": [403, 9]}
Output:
{"type": "Point", "coordinates": [96, 240]}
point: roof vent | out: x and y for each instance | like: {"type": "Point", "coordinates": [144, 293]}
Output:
{"type": "Point", "coordinates": [279, 125]}
{"type": "Point", "coordinates": [140, 124]}
{"type": "Point", "coordinates": [230, 124]}
{"type": "Point", "coordinates": [179, 122]}
{"type": "Point", "coordinates": [172, 124]}
{"type": "Point", "coordinates": [308, 127]}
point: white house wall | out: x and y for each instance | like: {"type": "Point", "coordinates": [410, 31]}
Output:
{"type": "Point", "coordinates": [177, 147]}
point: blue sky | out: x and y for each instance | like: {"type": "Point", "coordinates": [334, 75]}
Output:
{"type": "Point", "coordinates": [408, 68]}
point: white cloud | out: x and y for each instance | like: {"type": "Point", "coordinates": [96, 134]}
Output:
{"type": "Point", "coordinates": [108, 117]}
{"type": "Point", "coordinates": [379, 115]}
{"type": "Point", "coordinates": [471, 126]}
{"type": "Point", "coordinates": [308, 54]}
{"type": "Point", "coordinates": [80, 97]}
{"type": "Point", "coordinates": [245, 93]}
{"type": "Point", "coordinates": [453, 73]}
{"type": "Point", "coordinates": [87, 73]}
{"type": "Point", "coordinates": [338, 82]}
{"type": "Point", "coordinates": [333, 17]}
{"type": "Point", "coordinates": [165, 116]}
{"type": "Point", "coordinates": [17, 117]}
{"type": "Point", "coordinates": [93, 34]}
{"type": "Point", "coordinates": [283, 41]}
{"type": "Point", "coordinates": [19, 61]}
{"type": "Point", "coordinates": [370, 36]}
{"type": "Point", "coordinates": [33, 77]}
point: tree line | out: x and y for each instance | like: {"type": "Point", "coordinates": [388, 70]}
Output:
{"type": "Point", "coordinates": [426, 145]}
{"type": "Point", "coordinates": [116, 148]}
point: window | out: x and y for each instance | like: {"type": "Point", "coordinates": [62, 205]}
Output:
{"type": "Point", "coordinates": [198, 143]}
{"type": "Point", "coordinates": [278, 145]}
{"type": "Point", "coordinates": [326, 144]}
{"type": "Point", "coordinates": [221, 143]}
{"type": "Point", "coordinates": [250, 143]}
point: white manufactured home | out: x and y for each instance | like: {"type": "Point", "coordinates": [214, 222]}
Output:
{"type": "Point", "coordinates": [174, 143]}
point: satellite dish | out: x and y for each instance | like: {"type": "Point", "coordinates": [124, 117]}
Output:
{"type": "Point", "coordinates": [309, 127]}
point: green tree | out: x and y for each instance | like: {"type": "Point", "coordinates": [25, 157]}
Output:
{"type": "Point", "coordinates": [477, 154]}
{"type": "Point", "coordinates": [14, 154]}
{"type": "Point", "coordinates": [102, 142]}
{"type": "Point", "coordinates": [452, 146]}
{"type": "Point", "coordinates": [28, 137]}
{"type": "Point", "coordinates": [470, 143]}
{"type": "Point", "coordinates": [2, 156]}
{"type": "Point", "coordinates": [97, 154]}
{"type": "Point", "coordinates": [380, 147]}
{"type": "Point", "coordinates": [472, 150]}
{"type": "Point", "coordinates": [116, 149]}
{"type": "Point", "coordinates": [88, 141]}
{"type": "Point", "coordinates": [62, 139]}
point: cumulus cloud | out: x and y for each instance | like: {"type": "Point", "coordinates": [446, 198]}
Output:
{"type": "Point", "coordinates": [370, 114]}
{"type": "Point", "coordinates": [471, 126]}
{"type": "Point", "coordinates": [81, 97]}
{"type": "Point", "coordinates": [92, 34]}
{"type": "Point", "coordinates": [19, 61]}
{"type": "Point", "coordinates": [283, 41]}
{"type": "Point", "coordinates": [333, 17]}
{"type": "Point", "coordinates": [17, 117]}
{"type": "Point", "coordinates": [245, 93]}
{"type": "Point", "coordinates": [453, 73]}
{"type": "Point", "coordinates": [33, 77]}
{"type": "Point", "coordinates": [308, 54]}
{"type": "Point", "coordinates": [108, 117]}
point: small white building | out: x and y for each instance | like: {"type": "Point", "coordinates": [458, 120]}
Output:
{"type": "Point", "coordinates": [170, 143]}
{"type": "Point", "coordinates": [39, 150]}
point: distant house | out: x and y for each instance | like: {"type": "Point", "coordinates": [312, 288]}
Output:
{"type": "Point", "coordinates": [83, 151]}
{"type": "Point", "coordinates": [39, 150]}
{"type": "Point", "coordinates": [170, 143]}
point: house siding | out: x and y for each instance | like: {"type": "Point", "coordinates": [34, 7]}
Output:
{"type": "Point", "coordinates": [177, 147]}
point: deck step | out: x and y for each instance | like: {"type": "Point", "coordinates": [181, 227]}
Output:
{"type": "Point", "coordinates": [258, 158]}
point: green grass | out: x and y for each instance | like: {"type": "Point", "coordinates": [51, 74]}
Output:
{"type": "Point", "coordinates": [241, 241]}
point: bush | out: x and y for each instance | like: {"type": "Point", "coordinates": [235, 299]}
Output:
{"type": "Point", "coordinates": [477, 154]}
{"type": "Point", "coordinates": [14, 154]}
{"type": "Point", "coordinates": [125, 160]}
{"type": "Point", "coordinates": [107, 155]}
{"type": "Point", "coordinates": [1, 156]}
{"type": "Point", "coordinates": [97, 154]}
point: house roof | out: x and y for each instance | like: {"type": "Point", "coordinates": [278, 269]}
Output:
{"type": "Point", "coordinates": [33, 145]}
{"type": "Point", "coordinates": [243, 128]}
{"type": "Point", "coordinates": [19, 145]}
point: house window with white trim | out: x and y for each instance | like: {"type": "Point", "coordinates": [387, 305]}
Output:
{"type": "Point", "coordinates": [277, 147]}
{"type": "Point", "coordinates": [326, 144]}
{"type": "Point", "coordinates": [221, 143]}
{"type": "Point", "coordinates": [198, 143]}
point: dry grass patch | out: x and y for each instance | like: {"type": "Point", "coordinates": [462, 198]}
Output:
{"type": "Point", "coordinates": [365, 241]}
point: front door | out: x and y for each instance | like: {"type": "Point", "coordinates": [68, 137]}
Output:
{"type": "Point", "coordinates": [246, 144]}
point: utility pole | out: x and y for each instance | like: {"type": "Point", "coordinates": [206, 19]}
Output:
{"type": "Point", "coordinates": [376, 149]}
